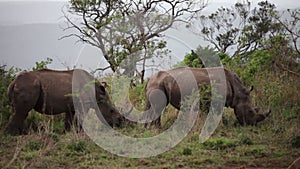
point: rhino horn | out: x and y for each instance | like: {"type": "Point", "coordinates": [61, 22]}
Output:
{"type": "Point", "coordinates": [261, 117]}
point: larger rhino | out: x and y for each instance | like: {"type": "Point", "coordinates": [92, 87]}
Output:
{"type": "Point", "coordinates": [50, 92]}
{"type": "Point", "coordinates": [162, 88]}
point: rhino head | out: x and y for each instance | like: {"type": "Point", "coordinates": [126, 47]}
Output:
{"type": "Point", "coordinates": [244, 111]}
{"type": "Point", "coordinates": [111, 115]}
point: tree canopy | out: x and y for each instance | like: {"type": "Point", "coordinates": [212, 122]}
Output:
{"type": "Point", "coordinates": [127, 32]}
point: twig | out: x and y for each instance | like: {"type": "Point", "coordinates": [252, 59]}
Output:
{"type": "Point", "coordinates": [100, 69]}
{"type": "Point", "coordinates": [17, 152]}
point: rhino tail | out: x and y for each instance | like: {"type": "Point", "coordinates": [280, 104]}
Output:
{"type": "Point", "coordinates": [268, 114]}
{"type": "Point", "coordinates": [10, 91]}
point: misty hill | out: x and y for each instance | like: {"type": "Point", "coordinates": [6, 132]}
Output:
{"type": "Point", "coordinates": [22, 45]}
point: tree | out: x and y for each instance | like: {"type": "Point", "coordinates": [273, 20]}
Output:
{"type": "Point", "coordinates": [222, 28]}
{"type": "Point", "coordinates": [201, 57]}
{"type": "Point", "coordinates": [125, 31]}
{"type": "Point", "coordinates": [291, 24]}
{"type": "Point", "coordinates": [261, 26]}
{"type": "Point", "coordinates": [241, 28]}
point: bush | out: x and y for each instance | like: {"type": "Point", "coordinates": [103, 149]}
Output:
{"type": "Point", "coordinates": [295, 141]}
{"type": "Point", "coordinates": [6, 77]}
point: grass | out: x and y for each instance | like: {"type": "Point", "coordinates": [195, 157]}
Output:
{"type": "Point", "coordinates": [231, 146]}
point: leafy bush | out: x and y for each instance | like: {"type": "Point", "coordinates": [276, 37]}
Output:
{"type": "Point", "coordinates": [200, 58]}
{"type": "Point", "coordinates": [295, 141]}
{"type": "Point", "coordinates": [6, 77]}
{"type": "Point", "coordinates": [42, 64]}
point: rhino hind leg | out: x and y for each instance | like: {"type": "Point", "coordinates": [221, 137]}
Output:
{"type": "Point", "coordinates": [69, 118]}
{"type": "Point", "coordinates": [22, 103]}
{"type": "Point", "coordinates": [16, 124]}
{"type": "Point", "coordinates": [155, 105]}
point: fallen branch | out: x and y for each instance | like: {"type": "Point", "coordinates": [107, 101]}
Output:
{"type": "Point", "coordinates": [17, 152]}
{"type": "Point", "coordinates": [288, 70]}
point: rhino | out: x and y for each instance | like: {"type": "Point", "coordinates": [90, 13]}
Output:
{"type": "Point", "coordinates": [162, 88]}
{"type": "Point", "coordinates": [50, 92]}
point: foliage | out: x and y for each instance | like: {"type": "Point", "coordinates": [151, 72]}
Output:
{"type": "Point", "coordinates": [42, 64]}
{"type": "Point", "coordinates": [201, 57]}
{"type": "Point", "coordinates": [6, 77]}
{"type": "Point", "coordinates": [240, 30]}
{"type": "Point", "coordinates": [192, 60]}
{"type": "Point", "coordinates": [291, 25]}
{"type": "Point", "coordinates": [295, 141]}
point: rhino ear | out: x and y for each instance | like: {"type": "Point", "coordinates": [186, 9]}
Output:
{"type": "Point", "coordinates": [104, 84]}
{"type": "Point", "coordinates": [251, 88]}
{"type": "Point", "coordinates": [102, 89]}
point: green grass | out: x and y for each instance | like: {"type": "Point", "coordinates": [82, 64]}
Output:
{"type": "Point", "coordinates": [231, 146]}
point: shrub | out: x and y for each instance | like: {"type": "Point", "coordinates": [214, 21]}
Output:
{"type": "Point", "coordinates": [6, 77]}
{"type": "Point", "coordinates": [295, 141]}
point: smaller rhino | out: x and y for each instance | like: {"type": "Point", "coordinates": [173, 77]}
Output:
{"type": "Point", "coordinates": [50, 92]}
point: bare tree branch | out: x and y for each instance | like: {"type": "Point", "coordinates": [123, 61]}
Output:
{"type": "Point", "coordinates": [123, 31]}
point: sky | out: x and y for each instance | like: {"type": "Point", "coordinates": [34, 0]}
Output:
{"type": "Point", "coordinates": [23, 41]}
{"type": "Point", "coordinates": [280, 3]}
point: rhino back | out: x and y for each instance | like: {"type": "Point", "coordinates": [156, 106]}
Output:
{"type": "Point", "coordinates": [56, 90]}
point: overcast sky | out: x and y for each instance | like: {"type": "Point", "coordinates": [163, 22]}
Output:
{"type": "Point", "coordinates": [279, 3]}
{"type": "Point", "coordinates": [23, 45]}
